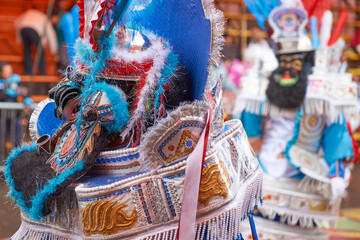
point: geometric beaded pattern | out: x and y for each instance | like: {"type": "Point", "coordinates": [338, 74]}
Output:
{"type": "Point", "coordinates": [171, 148]}
{"type": "Point", "coordinates": [157, 198]}
{"type": "Point", "coordinates": [121, 162]}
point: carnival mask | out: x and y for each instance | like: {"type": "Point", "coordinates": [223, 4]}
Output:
{"type": "Point", "coordinates": [56, 161]}
{"type": "Point", "coordinates": [288, 72]}
{"type": "Point", "coordinates": [287, 87]}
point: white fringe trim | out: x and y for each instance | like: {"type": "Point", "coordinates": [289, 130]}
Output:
{"type": "Point", "coordinates": [293, 217]}
{"type": "Point", "coordinates": [224, 223]}
{"type": "Point", "coordinates": [224, 226]}
{"type": "Point", "coordinates": [278, 231]}
{"type": "Point", "coordinates": [319, 106]}
{"type": "Point", "coordinates": [28, 231]}
{"type": "Point", "coordinates": [317, 186]}
{"type": "Point", "coordinates": [332, 108]}
{"type": "Point", "coordinates": [252, 105]}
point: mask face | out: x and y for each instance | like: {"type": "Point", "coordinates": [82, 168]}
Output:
{"type": "Point", "coordinates": [287, 87]}
{"type": "Point", "coordinates": [290, 67]}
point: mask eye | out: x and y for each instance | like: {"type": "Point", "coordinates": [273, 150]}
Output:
{"type": "Point", "coordinates": [296, 64]}
{"type": "Point", "coordinates": [76, 108]}
{"type": "Point", "coordinates": [89, 113]}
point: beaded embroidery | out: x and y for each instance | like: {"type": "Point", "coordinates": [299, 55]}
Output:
{"type": "Point", "coordinates": [215, 180]}
{"type": "Point", "coordinates": [107, 218]}
{"type": "Point", "coordinates": [186, 144]}
{"type": "Point", "coordinates": [116, 167]}
{"type": "Point", "coordinates": [72, 147]}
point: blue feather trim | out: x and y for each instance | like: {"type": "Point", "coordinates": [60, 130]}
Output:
{"type": "Point", "coordinates": [95, 61]}
{"type": "Point", "coordinates": [35, 212]}
{"type": "Point", "coordinates": [16, 195]}
{"type": "Point", "coordinates": [118, 102]}
{"type": "Point", "coordinates": [37, 201]}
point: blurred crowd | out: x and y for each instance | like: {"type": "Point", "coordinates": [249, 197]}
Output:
{"type": "Point", "coordinates": [59, 30]}
{"type": "Point", "coordinates": [55, 30]}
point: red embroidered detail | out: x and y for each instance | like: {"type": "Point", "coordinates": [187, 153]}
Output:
{"type": "Point", "coordinates": [68, 144]}
{"type": "Point", "coordinates": [122, 68]}
{"type": "Point", "coordinates": [137, 133]}
{"type": "Point", "coordinates": [92, 25]}
{"type": "Point", "coordinates": [115, 68]}
{"type": "Point", "coordinates": [81, 18]}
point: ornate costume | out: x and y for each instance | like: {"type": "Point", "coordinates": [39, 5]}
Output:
{"type": "Point", "coordinates": [303, 119]}
{"type": "Point", "coordinates": [137, 148]}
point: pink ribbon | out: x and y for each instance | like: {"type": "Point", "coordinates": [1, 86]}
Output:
{"type": "Point", "coordinates": [193, 171]}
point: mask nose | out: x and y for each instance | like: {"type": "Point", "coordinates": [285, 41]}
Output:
{"type": "Point", "coordinates": [286, 73]}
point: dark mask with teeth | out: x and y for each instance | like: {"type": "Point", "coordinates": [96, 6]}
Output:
{"type": "Point", "coordinates": [287, 87]}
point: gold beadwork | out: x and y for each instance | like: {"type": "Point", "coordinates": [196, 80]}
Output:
{"type": "Point", "coordinates": [105, 217]}
{"type": "Point", "coordinates": [317, 206]}
{"type": "Point", "coordinates": [215, 180]}
{"type": "Point", "coordinates": [183, 150]}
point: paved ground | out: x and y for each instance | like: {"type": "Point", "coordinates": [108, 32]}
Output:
{"type": "Point", "coordinates": [10, 217]}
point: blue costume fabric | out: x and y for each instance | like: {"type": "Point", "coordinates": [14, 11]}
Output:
{"type": "Point", "coordinates": [47, 122]}
{"type": "Point", "coordinates": [261, 10]}
{"type": "Point", "coordinates": [190, 38]}
{"type": "Point", "coordinates": [251, 123]}
{"type": "Point", "coordinates": [337, 169]}
{"type": "Point", "coordinates": [337, 143]}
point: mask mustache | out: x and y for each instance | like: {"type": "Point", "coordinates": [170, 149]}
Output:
{"type": "Point", "coordinates": [279, 73]}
